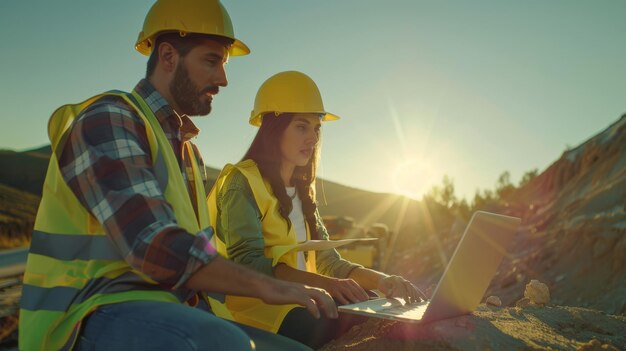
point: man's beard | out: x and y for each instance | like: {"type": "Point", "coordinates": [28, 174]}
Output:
{"type": "Point", "coordinates": [187, 96]}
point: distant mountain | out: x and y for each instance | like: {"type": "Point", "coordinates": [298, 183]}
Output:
{"type": "Point", "coordinates": [24, 170]}
{"type": "Point", "coordinates": [410, 222]}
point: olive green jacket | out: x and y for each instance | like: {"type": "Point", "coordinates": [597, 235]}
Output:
{"type": "Point", "coordinates": [239, 227]}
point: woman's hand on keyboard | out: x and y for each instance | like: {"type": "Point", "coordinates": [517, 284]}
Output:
{"type": "Point", "coordinates": [396, 286]}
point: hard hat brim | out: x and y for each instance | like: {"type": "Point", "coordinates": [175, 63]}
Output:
{"type": "Point", "coordinates": [238, 48]}
{"type": "Point", "coordinates": [258, 118]}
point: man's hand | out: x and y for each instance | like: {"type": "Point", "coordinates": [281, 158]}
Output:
{"type": "Point", "coordinates": [278, 292]}
{"type": "Point", "coordinates": [223, 276]}
{"type": "Point", "coordinates": [396, 286]}
{"type": "Point", "coordinates": [344, 291]}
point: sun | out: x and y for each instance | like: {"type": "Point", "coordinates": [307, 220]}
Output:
{"type": "Point", "coordinates": [413, 177]}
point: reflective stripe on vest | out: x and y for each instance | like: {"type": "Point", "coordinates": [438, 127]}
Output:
{"type": "Point", "coordinates": [72, 267]}
{"type": "Point", "coordinates": [61, 298]}
{"type": "Point", "coordinates": [278, 238]}
{"type": "Point", "coordinates": [73, 247]}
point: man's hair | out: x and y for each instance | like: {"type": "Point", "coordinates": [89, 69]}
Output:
{"type": "Point", "coordinates": [182, 44]}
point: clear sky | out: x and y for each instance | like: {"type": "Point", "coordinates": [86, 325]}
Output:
{"type": "Point", "coordinates": [424, 88]}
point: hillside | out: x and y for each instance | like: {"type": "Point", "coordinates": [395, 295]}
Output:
{"type": "Point", "coordinates": [21, 180]}
{"type": "Point", "coordinates": [575, 224]}
{"type": "Point", "coordinates": [25, 170]}
{"type": "Point", "coordinates": [17, 215]}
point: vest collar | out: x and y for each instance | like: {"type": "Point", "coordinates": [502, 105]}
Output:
{"type": "Point", "coordinates": [171, 123]}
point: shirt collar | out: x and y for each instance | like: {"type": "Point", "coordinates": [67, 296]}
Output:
{"type": "Point", "coordinates": [168, 119]}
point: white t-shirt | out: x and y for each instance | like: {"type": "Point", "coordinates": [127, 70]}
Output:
{"type": "Point", "coordinates": [297, 221]}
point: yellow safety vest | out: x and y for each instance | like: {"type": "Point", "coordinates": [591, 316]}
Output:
{"type": "Point", "coordinates": [278, 237]}
{"type": "Point", "coordinates": [73, 267]}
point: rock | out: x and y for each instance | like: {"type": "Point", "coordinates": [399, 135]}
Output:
{"type": "Point", "coordinates": [595, 345]}
{"type": "Point", "coordinates": [493, 301]}
{"type": "Point", "coordinates": [537, 292]}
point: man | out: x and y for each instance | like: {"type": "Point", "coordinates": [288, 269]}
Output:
{"type": "Point", "coordinates": [122, 233]}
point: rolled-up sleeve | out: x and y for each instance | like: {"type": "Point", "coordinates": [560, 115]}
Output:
{"type": "Point", "coordinates": [107, 164]}
{"type": "Point", "coordinates": [329, 262]}
{"type": "Point", "coordinates": [239, 224]}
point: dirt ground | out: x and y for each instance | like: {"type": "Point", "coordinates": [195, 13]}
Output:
{"type": "Point", "coordinates": [492, 328]}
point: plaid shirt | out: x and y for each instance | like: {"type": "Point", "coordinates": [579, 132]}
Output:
{"type": "Point", "coordinates": [107, 163]}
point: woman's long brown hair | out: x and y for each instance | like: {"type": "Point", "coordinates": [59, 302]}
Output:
{"type": "Point", "coordinates": [265, 151]}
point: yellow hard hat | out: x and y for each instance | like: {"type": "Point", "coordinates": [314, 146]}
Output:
{"type": "Point", "coordinates": [288, 92]}
{"type": "Point", "coordinates": [188, 16]}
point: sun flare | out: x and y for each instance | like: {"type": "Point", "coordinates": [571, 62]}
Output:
{"type": "Point", "coordinates": [413, 177]}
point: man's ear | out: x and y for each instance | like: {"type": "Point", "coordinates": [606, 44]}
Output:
{"type": "Point", "coordinates": [168, 57]}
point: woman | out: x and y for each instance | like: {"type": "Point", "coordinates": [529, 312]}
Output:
{"type": "Point", "coordinates": [265, 204]}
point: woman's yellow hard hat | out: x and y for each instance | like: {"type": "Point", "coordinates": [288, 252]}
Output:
{"type": "Point", "coordinates": [288, 92]}
{"type": "Point", "coordinates": [188, 16]}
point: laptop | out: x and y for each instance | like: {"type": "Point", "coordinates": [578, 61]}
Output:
{"type": "Point", "coordinates": [464, 281]}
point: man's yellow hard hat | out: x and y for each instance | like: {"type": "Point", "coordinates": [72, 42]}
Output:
{"type": "Point", "coordinates": [188, 16]}
{"type": "Point", "coordinates": [288, 92]}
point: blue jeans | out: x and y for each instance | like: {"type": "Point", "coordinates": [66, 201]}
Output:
{"type": "Point", "coordinates": [150, 325]}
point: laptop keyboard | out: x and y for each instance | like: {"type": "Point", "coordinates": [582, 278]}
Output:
{"type": "Point", "coordinates": [413, 311]}
{"type": "Point", "coordinates": [393, 308]}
